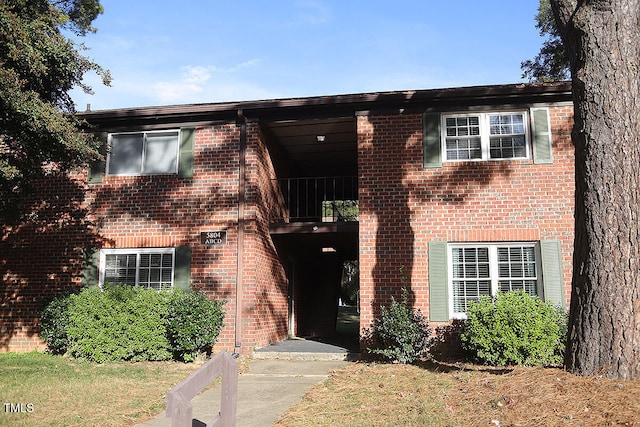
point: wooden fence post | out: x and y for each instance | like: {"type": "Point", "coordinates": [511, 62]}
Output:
{"type": "Point", "coordinates": [179, 406]}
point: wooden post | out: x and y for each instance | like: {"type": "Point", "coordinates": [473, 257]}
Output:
{"type": "Point", "coordinates": [179, 407]}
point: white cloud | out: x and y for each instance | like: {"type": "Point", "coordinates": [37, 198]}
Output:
{"type": "Point", "coordinates": [196, 82]}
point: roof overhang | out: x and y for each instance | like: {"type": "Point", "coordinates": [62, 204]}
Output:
{"type": "Point", "coordinates": [333, 106]}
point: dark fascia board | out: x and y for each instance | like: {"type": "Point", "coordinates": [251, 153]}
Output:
{"type": "Point", "coordinates": [331, 106]}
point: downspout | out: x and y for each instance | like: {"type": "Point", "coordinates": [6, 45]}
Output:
{"type": "Point", "coordinates": [242, 122]}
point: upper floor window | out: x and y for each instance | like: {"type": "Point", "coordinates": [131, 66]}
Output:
{"type": "Point", "coordinates": [485, 136]}
{"type": "Point", "coordinates": [149, 268]}
{"type": "Point", "coordinates": [143, 153]}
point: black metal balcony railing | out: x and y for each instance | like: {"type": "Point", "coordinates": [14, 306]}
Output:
{"type": "Point", "coordinates": [322, 199]}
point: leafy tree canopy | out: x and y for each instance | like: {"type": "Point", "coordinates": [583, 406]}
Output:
{"type": "Point", "coordinates": [39, 66]}
{"type": "Point", "coordinates": [551, 63]}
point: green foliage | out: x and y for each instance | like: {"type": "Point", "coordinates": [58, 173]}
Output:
{"type": "Point", "coordinates": [514, 328]}
{"type": "Point", "coordinates": [131, 323]}
{"type": "Point", "coordinates": [401, 333]}
{"type": "Point", "coordinates": [119, 323]}
{"type": "Point", "coordinates": [350, 285]}
{"type": "Point", "coordinates": [193, 324]}
{"type": "Point", "coordinates": [39, 67]}
{"type": "Point", "coordinates": [53, 324]}
{"type": "Point", "coordinates": [552, 62]}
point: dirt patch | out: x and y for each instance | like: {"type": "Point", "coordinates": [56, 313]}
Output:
{"type": "Point", "coordinates": [542, 397]}
{"type": "Point", "coordinates": [442, 394]}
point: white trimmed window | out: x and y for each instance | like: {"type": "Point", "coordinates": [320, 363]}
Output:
{"type": "Point", "coordinates": [486, 269]}
{"type": "Point", "coordinates": [485, 136]}
{"type": "Point", "coordinates": [149, 268]}
{"type": "Point", "coordinates": [143, 153]}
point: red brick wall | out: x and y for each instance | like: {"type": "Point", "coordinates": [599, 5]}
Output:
{"type": "Point", "coordinates": [404, 206]}
{"type": "Point", "coordinates": [265, 283]}
{"type": "Point", "coordinates": [43, 257]}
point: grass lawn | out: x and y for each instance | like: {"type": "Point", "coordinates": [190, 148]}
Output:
{"type": "Point", "coordinates": [439, 394]}
{"type": "Point", "coordinates": [57, 391]}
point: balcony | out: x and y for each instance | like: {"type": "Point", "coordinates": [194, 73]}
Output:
{"type": "Point", "coordinates": [319, 199]}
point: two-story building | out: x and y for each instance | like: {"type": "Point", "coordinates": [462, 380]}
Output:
{"type": "Point", "coordinates": [450, 193]}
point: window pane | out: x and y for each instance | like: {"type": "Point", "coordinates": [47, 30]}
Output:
{"type": "Point", "coordinates": [507, 148]}
{"type": "Point", "coordinates": [120, 269]}
{"type": "Point", "coordinates": [469, 265]}
{"type": "Point", "coordinates": [511, 141]}
{"type": "Point", "coordinates": [153, 269]}
{"type": "Point", "coordinates": [514, 264]}
{"type": "Point", "coordinates": [506, 124]}
{"type": "Point", "coordinates": [161, 152]}
{"type": "Point", "coordinates": [125, 154]}
{"type": "Point", "coordinates": [463, 148]}
{"type": "Point", "coordinates": [156, 270]}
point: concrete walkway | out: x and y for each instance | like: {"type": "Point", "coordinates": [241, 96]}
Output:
{"type": "Point", "coordinates": [267, 390]}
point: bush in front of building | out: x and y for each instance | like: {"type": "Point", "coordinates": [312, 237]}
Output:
{"type": "Point", "coordinates": [193, 324]}
{"type": "Point", "coordinates": [515, 328]}
{"type": "Point", "coordinates": [119, 323]}
{"type": "Point", "coordinates": [53, 324]}
{"type": "Point", "coordinates": [401, 333]}
{"type": "Point", "coordinates": [129, 323]}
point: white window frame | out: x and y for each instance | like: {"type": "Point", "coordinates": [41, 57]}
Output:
{"type": "Point", "coordinates": [138, 252]}
{"type": "Point", "coordinates": [485, 135]}
{"type": "Point", "coordinates": [493, 268]}
{"type": "Point", "coordinates": [144, 152]}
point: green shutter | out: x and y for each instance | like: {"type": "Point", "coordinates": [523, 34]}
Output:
{"type": "Point", "coordinates": [185, 162]}
{"type": "Point", "coordinates": [553, 285]}
{"type": "Point", "coordinates": [90, 260]}
{"type": "Point", "coordinates": [182, 272]}
{"type": "Point", "coordinates": [438, 282]}
{"type": "Point", "coordinates": [432, 145]}
{"type": "Point", "coordinates": [542, 145]}
{"type": "Point", "coordinates": [97, 167]}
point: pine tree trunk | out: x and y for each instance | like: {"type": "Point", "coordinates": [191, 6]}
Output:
{"type": "Point", "coordinates": [603, 40]}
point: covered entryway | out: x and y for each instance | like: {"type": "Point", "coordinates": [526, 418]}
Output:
{"type": "Point", "coordinates": [317, 253]}
{"type": "Point", "coordinates": [316, 164]}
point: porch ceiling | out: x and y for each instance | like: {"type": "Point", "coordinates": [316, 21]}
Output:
{"type": "Point", "coordinates": [337, 155]}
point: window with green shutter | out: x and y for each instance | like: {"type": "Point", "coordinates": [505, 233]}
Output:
{"type": "Point", "coordinates": [147, 267]}
{"type": "Point", "coordinates": [147, 153]}
{"type": "Point", "coordinates": [481, 136]}
{"type": "Point", "coordinates": [460, 273]}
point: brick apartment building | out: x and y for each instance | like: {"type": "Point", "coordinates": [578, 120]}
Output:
{"type": "Point", "coordinates": [450, 193]}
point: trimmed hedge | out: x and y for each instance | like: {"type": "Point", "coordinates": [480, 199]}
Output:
{"type": "Point", "coordinates": [131, 323]}
{"type": "Point", "coordinates": [193, 324]}
{"type": "Point", "coordinates": [401, 333]}
{"type": "Point", "coordinates": [53, 324]}
{"type": "Point", "coordinates": [515, 328]}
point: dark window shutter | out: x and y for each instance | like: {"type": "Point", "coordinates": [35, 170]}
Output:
{"type": "Point", "coordinates": [182, 272]}
{"type": "Point", "coordinates": [553, 285]}
{"type": "Point", "coordinates": [185, 162]}
{"type": "Point", "coordinates": [432, 145]}
{"type": "Point", "coordinates": [97, 167]}
{"type": "Point", "coordinates": [541, 135]}
{"type": "Point", "coordinates": [90, 260]}
{"type": "Point", "coordinates": [438, 282]}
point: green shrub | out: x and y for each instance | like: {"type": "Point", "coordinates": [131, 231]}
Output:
{"type": "Point", "coordinates": [53, 324]}
{"type": "Point", "coordinates": [401, 333]}
{"type": "Point", "coordinates": [131, 323]}
{"type": "Point", "coordinates": [119, 323]}
{"type": "Point", "coordinates": [193, 324]}
{"type": "Point", "coordinates": [514, 328]}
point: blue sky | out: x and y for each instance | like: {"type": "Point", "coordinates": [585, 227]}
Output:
{"type": "Point", "coordinates": [192, 51]}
